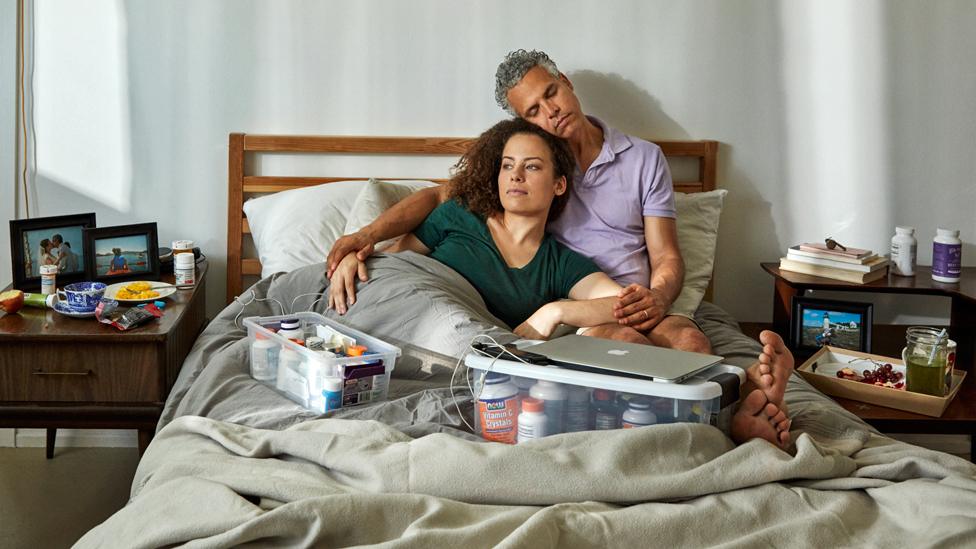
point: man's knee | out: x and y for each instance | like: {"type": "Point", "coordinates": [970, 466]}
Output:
{"type": "Point", "coordinates": [692, 339]}
{"type": "Point", "coordinates": [680, 333]}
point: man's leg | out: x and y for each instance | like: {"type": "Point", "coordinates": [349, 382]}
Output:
{"type": "Point", "coordinates": [616, 332]}
{"type": "Point", "coordinates": [678, 332]}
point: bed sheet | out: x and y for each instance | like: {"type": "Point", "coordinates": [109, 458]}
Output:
{"type": "Point", "coordinates": [234, 462]}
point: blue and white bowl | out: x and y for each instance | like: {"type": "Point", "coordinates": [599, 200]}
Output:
{"type": "Point", "coordinates": [82, 296]}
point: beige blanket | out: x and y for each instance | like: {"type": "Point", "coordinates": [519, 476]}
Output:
{"type": "Point", "coordinates": [335, 482]}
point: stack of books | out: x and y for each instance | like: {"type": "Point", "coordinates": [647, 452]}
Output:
{"type": "Point", "coordinates": [850, 265]}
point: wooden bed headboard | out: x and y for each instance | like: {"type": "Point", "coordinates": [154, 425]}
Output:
{"type": "Point", "coordinates": [241, 184]}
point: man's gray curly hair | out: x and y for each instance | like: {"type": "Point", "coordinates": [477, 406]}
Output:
{"type": "Point", "coordinates": [511, 71]}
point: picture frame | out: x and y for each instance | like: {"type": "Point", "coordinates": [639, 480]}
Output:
{"type": "Point", "coordinates": [123, 252]}
{"type": "Point", "coordinates": [817, 322]}
{"type": "Point", "coordinates": [32, 243]}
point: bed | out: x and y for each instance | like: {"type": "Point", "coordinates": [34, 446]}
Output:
{"type": "Point", "coordinates": [234, 462]}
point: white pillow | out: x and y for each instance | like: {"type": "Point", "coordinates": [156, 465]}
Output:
{"type": "Point", "coordinates": [698, 215]}
{"type": "Point", "coordinates": [376, 198]}
{"type": "Point", "coordinates": [297, 227]}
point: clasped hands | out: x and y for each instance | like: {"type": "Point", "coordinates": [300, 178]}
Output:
{"type": "Point", "coordinates": [640, 308]}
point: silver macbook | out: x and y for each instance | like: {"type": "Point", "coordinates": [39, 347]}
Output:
{"type": "Point", "coordinates": [621, 358]}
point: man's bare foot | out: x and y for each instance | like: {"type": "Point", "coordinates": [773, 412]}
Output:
{"type": "Point", "coordinates": [759, 418]}
{"type": "Point", "coordinates": [771, 373]}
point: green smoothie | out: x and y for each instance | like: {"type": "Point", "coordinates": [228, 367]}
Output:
{"type": "Point", "coordinates": [927, 378]}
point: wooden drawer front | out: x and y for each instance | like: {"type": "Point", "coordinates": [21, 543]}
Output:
{"type": "Point", "coordinates": [63, 372]}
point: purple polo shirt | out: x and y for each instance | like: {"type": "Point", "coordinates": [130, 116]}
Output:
{"type": "Point", "coordinates": [604, 217]}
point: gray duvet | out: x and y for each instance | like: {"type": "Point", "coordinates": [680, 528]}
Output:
{"type": "Point", "coordinates": [235, 463]}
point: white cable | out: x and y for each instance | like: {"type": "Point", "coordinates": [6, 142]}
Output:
{"type": "Point", "coordinates": [254, 298]}
{"type": "Point", "coordinates": [297, 297]}
{"type": "Point", "coordinates": [484, 375]}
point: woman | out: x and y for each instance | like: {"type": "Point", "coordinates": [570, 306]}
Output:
{"type": "Point", "coordinates": [44, 253]}
{"type": "Point", "coordinates": [505, 188]}
{"type": "Point", "coordinates": [119, 263]}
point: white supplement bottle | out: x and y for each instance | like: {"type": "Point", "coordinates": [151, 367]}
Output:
{"type": "Point", "coordinates": [903, 251]}
{"type": "Point", "coordinates": [946, 256]}
{"type": "Point", "coordinates": [184, 269]}
{"type": "Point", "coordinates": [497, 409]}
{"type": "Point", "coordinates": [291, 328]}
{"type": "Point", "coordinates": [264, 359]}
{"type": "Point", "coordinates": [577, 409]}
{"type": "Point", "coordinates": [638, 414]}
{"type": "Point", "coordinates": [290, 378]}
{"type": "Point", "coordinates": [532, 420]}
{"type": "Point", "coordinates": [554, 395]}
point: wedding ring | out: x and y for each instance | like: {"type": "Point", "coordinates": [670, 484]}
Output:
{"type": "Point", "coordinates": [646, 316]}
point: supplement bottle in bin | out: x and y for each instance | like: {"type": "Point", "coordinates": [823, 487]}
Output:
{"type": "Point", "coordinates": [498, 408]}
{"type": "Point", "coordinates": [606, 415]}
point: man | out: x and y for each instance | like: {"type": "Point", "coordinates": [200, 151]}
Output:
{"type": "Point", "coordinates": [67, 260]}
{"type": "Point", "coordinates": [620, 212]}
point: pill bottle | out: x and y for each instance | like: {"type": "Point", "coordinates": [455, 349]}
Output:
{"type": "Point", "coordinates": [532, 420]}
{"type": "Point", "coordinates": [498, 408]}
{"type": "Point", "coordinates": [903, 251]}
{"type": "Point", "coordinates": [289, 376]}
{"type": "Point", "coordinates": [182, 247]}
{"type": "Point", "coordinates": [554, 395]}
{"type": "Point", "coordinates": [184, 269]}
{"type": "Point", "coordinates": [291, 328]}
{"type": "Point", "coordinates": [577, 409]}
{"type": "Point", "coordinates": [332, 394]}
{"type": "Point", "coordinates": [49, 275]}
{"type": "Point", "coordinates": [264, 358]}
{"type": "Point", "coordinates": [524, 384]}
{"type": "Point", "coordinates": [605, 413]}
{"type": "Point", "coordinates": [638, 414]}
{"type": "Point", "coordinates": [946, 256]}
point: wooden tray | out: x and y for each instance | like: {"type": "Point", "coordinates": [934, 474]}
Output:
{"type": "Point", "coordinates": [882, 396]}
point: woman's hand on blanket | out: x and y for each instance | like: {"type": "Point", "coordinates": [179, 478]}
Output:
{"type": "Point", "coordinates": [359, 242]}
{"type": "Point", "coordinates": [640, 308]}
{"type": "Point", "coordinates": [541, 324]}
{"type": "Point", "coordinates": [342, 283]}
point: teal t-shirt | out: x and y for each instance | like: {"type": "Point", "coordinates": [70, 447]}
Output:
{"type": "Point", "coordinates": [461, 240]}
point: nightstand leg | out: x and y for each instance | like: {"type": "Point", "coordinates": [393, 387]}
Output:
{"type": "Point", "coordinates": [49, 444]}
{"type": "Point", "coordinates": [145, 435]}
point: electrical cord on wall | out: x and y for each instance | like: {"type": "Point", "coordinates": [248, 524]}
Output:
{"type": "Point", "coordinates": [21, 26]}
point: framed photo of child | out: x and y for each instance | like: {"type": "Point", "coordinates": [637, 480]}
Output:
{"type": "Point", "coordinates": [123, 252]}
{"type": "Point", "coordinates": [818, 322]}
{"type": "Point", "coordinates": [56, 240]}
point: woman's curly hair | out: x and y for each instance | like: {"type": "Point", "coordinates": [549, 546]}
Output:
{"type": "Point", "coordinates": [474, 183]}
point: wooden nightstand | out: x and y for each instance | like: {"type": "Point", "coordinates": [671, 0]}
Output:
{"type": "Point", "coordinates": [960, 416]}
{"type": "Point", "coordinates": [60, 372]}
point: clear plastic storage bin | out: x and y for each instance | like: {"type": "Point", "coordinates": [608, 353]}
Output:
{"type": "Point", "coordinates": [319, 380]}
{"type": "Point", "coordinates": [577, 400]}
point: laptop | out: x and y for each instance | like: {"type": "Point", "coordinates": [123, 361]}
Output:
{"type": "Point", "coordinates": [606, 356]}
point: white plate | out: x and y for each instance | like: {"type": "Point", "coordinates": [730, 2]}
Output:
{"type": "Point", "coordinates": [163, 292]}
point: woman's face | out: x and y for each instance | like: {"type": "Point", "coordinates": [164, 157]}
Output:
{"type": "Point", "coordinates": [527, 179]}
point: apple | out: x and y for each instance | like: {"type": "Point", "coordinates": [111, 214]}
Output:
{"type": "Point", "coordinates": [11, 301]}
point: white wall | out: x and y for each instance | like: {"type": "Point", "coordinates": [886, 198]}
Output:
{"type": "Point", "coordinates": [836, 117]}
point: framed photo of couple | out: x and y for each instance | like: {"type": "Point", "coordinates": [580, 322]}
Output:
{"type": "Point", "coordinates": [41, 241]}
{"type": "Point", "coordinates": [81, 251]}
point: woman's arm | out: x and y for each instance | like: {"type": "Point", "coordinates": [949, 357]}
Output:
{"type": "Point", "coordinates": [342, 283]}
{"type": "Point", "coordinates": [404, 216]}
{"type": "Point", "coordinates": [591, 303]}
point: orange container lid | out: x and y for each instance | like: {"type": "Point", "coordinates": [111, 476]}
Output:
{"type": "Point", "coordinates": [355, 350]}
{"type": "Point", "coordinates": [532, 405]}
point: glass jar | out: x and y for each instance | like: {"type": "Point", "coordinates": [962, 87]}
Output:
{"type": "Point", "coordinates": [926, 361]}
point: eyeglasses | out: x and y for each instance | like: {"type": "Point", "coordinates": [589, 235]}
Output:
{"type": "Point", "coordinates": [831, 244]}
